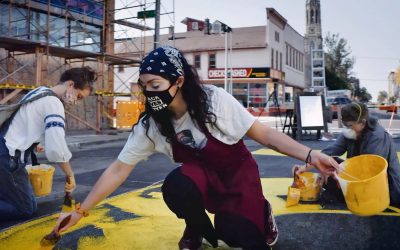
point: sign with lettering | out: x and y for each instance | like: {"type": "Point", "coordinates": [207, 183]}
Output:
{"type": "Point", "coordinates": [239, 73]}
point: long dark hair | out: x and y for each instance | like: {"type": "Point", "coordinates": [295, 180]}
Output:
{"type": "Point", "coordinates": [197, 103]}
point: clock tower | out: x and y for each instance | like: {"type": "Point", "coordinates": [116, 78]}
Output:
{"type": "Point", "coordinates": [314, 55]}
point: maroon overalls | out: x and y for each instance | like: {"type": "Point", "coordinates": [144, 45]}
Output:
{"type": "Point", "coordinates": [227, 176]}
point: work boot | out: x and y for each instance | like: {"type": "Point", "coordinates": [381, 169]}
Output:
{"type": "Point", "coordinates": [271, 229]}
{"type": "Point", "coordinates": [190, 240]}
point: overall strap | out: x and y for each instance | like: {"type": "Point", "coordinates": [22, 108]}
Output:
{"type": "Point", "coordinates": [26, 99]}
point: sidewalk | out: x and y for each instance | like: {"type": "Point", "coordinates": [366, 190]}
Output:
{"type": "Point", "coordinates": [84, 138]}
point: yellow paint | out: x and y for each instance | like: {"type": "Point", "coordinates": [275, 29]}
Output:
{"type": "Point", "coordinates": [157, 228]}
{"type": "Point", "coordinates": [311, 186]}
{"type": "Point", "coordinates": [293, 196]}
{"type": "Point", "coordinates": [41, 178]}
{"type": "Point", "coordinates": [364, 183]}
{"type": "Point", "coordinates": [265, 151]}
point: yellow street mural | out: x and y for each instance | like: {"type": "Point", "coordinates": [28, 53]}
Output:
{"type": "Point", "coordinates": [140, 220]}
{"type": "Point", "coordinates": [136, 220]}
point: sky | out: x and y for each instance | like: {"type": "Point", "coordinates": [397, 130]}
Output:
{"type": "Point", "coordinates": [371, 27]}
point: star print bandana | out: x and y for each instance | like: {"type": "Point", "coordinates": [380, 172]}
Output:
{"type": "Point", "coordinates": [164, 61]}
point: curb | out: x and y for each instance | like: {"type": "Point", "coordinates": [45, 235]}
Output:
{"type": "Point", "coordinates": [78, 145]}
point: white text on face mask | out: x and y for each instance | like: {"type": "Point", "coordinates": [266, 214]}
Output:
{"type": "Point", "coordinates": [156, 103]}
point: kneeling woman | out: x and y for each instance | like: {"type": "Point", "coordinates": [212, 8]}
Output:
{"type": "Point", "coordinates": [362, 134]}
{"type": "Point", "coordinates": [201, 126]}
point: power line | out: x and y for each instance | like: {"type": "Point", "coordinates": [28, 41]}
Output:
{"type": "Point", "coordinates": [374, 80]}
{"type": "Point", "coordinates": [378, 58]}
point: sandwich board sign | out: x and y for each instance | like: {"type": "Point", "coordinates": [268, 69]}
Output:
{"type": "Point", "coordinates": [310, 113]}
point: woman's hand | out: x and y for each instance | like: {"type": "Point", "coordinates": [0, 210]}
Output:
{"type": "Point", "coordinates": [70, 183]}
{"type": "Point", "coordinates": [67, 220]}
{"type": "Point", "coordinates": [324, 163]}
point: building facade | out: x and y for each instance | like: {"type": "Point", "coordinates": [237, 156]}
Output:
{"type": "Point", "coordinates": [261, 60]}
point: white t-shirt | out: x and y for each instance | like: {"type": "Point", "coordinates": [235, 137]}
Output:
{"type": "Point", "coordinates": [233, 121]}
{"type": "Point", "coordinates": [41, 121]}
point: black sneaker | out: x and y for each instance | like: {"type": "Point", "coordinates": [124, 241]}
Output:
{"type": "Point", "coordinates": [271, 229]}
{"type": "Point", "coordinates": [190, 240]}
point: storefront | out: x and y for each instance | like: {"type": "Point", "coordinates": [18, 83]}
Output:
{"type": "Point", "coordinates": [252, 87]}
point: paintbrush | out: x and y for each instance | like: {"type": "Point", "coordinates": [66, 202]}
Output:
{"type": "Point", "coordinates": [67, 207]}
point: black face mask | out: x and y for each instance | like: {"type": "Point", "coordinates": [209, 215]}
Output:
{"type": "Point", "coordinates": [159, 100]}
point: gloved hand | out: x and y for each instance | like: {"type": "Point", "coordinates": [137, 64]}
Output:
{"type": "Point", "coordinates": [70, 184]}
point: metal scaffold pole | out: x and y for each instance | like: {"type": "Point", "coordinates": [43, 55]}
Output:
{"type": "Point", "coordinates": [157, 25]}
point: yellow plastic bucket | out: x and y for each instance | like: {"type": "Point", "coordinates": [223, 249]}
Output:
{"type": "Point", "coordinates": [364, 184]}
{"type": "Point", "coordinates": [311, 188]}
{"type": "Point", "coordinates": [41, 178]}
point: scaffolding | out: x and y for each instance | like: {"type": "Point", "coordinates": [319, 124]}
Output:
{"type": "Point", "coordinates": [39, 39]}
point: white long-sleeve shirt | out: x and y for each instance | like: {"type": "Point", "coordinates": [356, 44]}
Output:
{"type": "Point", "coordinates": [41, 121]}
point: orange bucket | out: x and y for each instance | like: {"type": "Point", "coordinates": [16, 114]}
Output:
{"type": "Point", "coordinates": [364, 183]}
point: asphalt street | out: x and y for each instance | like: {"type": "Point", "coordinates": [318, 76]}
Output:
{"type": "Point", "coordinates": [89, 162]}
{"type": "Point", "coordinates": [321, 230]}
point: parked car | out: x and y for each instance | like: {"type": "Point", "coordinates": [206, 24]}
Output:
{"type": "Point", "coordinates": [337, 102]}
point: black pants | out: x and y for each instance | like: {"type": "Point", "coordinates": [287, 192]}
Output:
{"type": "Point", "coordinates": [183, 197]}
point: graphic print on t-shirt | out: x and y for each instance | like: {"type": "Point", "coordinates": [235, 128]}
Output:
{"type": "Point", "coordinates": [185, 137]}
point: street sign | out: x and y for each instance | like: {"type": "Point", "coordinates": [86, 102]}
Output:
{"type": "Point", "coordinates": [146, 14]}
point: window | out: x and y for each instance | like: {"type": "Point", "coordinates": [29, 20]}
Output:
{"type": "Point", "coordinates": [301, 63]}
{"type": "Point", "coordinates": [277, 59]}
{"type": "Point", "coordinates": [57, 32]}
{"type": "Point", "coordinates": [38, 26]}
{"type": "Point", "coordinates": [280, 61]}
{"type": "Point", "coordinates": [212, 63]}
{"type": "Point", "coordinates": [272, 58]}
{"type": "Point", "coordinates": [197, 61]}
{"type": "Point", "coordinates": [240, 92]}
{"type": "Point", "coordinates": [257, 95]}
{"type": "Point", "coordinates": [277, 36]}
{"type": "Point", "coordinates": [312, 16]}
{"type": "Point", "coordinates": [19, 23]}
{"type": "Point", "coordinates": [4, 19]}
{"type": "Point", "coordinates": [121, 69]}
{"type": "Point", "coordinates": [287, 54]}
{"type": "Point", "coordinates": [84, 36]}
{"type": "Point", "coordinates": [195, 26]}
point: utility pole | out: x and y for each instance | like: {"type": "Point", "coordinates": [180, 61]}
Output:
{"type": "Point", "coordinates": [227, 30]}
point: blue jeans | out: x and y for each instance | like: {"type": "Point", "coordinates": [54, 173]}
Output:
{"type": "Point", "coordinates": [17, 199]}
